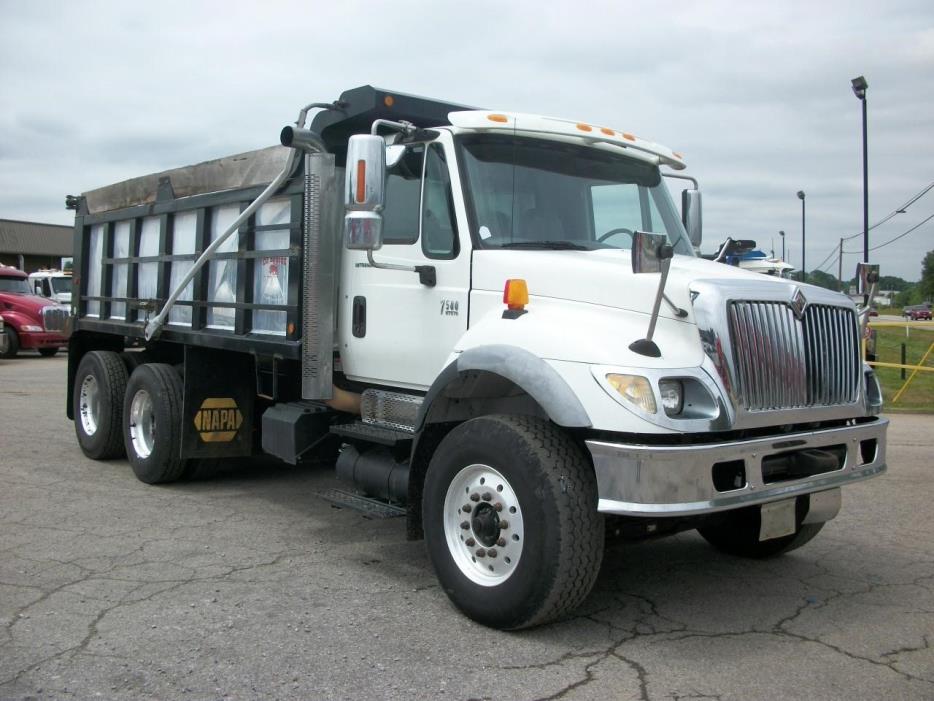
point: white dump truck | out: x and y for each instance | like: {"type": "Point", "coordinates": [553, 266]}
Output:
{"type": "Point", "coordinates": [497, 324]}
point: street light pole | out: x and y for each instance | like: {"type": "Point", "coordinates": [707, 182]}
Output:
{"type": "Point", "coordinates": [782, 234]}
{"type": "Point", "coordinates": [859, 89]}
{"type": "Point", "coordinates": [804, 270]}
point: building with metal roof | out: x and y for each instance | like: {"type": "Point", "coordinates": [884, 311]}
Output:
{"type": "Point", "coordinates": [31, 246]}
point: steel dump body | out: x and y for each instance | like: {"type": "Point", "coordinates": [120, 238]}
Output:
{"type": "Point", "coordinates": [137, 239]}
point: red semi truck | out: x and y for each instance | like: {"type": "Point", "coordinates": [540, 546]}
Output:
{"type": "Point", "coordinates": [30, 321]}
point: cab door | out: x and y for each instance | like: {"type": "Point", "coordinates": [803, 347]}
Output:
{"type": "Point", "coordinates": [393, 329]}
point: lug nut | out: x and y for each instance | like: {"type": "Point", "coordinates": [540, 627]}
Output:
{"type": "Point", "coordinates": [487, 497]}
{"type": "Point", "coordinates": [503, 524]}
{"type": "Point", "coordinates": [501, 542]}
{"type": "Point", "coordinates": [481, 552]}
{"type": "Point", "coordinates": [498, 506]}
{"type": "Point", "coordinates": [491, 552]}
{"type": "Point", "coordinates": [474, 497]}
{"type": "Point", "coordinates": [470, 542]}
{"type": "Point", "coordinates": [466, 508]}
{"type": "Point", "coordinates": [465, 525]}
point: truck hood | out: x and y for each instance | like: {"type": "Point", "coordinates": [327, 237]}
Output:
{"type": "Point", "coordinates": [30, 305]}
{"type": "Point", "coordinates": [603, 277]}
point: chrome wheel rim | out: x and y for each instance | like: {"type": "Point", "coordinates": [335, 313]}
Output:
{"type": "Point", "coordinates": [483, 525]}
{"type": "Point", "coordinates": [142, 424]}
{"type": "Point", "coordinates": [89, 405]}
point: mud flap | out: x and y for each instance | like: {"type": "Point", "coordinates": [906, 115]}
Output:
{"type": "Point", "coordinates": [217, 411]}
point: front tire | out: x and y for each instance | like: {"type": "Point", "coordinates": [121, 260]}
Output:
{"type": "Point", "coordinates": [12, 342]}
{"type": "Point", "coordinates": [528, 548]}
{"type": "Point", "coordinates": [97, 404]}
{"type": "Point", "coordinates": [152, 423]}
{"type": "Point", "coordinates": [737, 534]}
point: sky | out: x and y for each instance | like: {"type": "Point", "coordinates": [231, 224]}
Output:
{"type": "Point", "coordinates": [755, 95]}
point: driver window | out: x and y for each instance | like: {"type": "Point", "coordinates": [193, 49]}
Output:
{"type": "Point", "coordinates": [403, 188]}
{"type": "Point", "coordinates": [439, 229]}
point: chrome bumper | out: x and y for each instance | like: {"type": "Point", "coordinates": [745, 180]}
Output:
{"type": "Point", "coordinates": [641, 480]}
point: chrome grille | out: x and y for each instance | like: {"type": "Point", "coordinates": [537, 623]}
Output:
{"type": "Point", "coordinates": [783, 362]}
{"type": "Point", "coordinates": [54, 317]}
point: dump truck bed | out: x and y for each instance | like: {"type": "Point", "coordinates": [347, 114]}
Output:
{"type": "Point", "coordinates": [136, 240]}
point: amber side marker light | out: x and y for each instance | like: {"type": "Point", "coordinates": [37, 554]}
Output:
{"type": "Point", "coordinates": [361, 181]}
{"type": "Point", "coordinates": [515, 297]}
{"type": "Point", "coordinates": [502, 118]}
{"type": "Point", "coordinates": [389, 101]}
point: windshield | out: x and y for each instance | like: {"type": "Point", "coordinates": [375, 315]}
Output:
{"type": "Point", "coordinates": [532, 193]}
{"type": "Point", "coordinates": [61, 285]}
{"type": "Point", "coordinates": [14, 284]}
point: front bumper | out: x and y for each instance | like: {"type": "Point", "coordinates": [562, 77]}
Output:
{"type": "Point", "coordinates": [648, 480]}
{"type": "Point", "coordinates": [42, 339]}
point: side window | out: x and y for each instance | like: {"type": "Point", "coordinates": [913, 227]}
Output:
{"type": "Point", "coordinates": [46, 287]}
{"type": "Point", "coordinates": [403, 187]}
{"type": "Point", "coordinates": [616, 206]}
{"type": "Point", "coordinates": [439, 227]}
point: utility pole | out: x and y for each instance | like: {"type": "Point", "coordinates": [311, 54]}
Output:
{"type": "Point", "coordinates": [840, 268]}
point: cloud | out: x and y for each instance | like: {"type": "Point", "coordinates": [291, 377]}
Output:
{"type": "Point", "coordinates": [756, 95]}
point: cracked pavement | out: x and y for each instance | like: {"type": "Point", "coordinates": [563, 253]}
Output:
{"type": "Point", "coordinates": [243, 584]}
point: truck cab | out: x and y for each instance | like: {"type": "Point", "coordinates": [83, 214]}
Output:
{"type": "Point", "coordinates": [30, 321]}
{"type": "Point", "coordinates": [498, 320]}
{"type": "Point", "coordinates": [52, 284]}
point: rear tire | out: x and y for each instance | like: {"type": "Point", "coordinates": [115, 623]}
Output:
{"type": "Point", "coordinates": [532, 499]}
{"type": "Point", "coordinates": [152, 423]}
{"type": "Point", "coordinates": [97, 404]}
{"type": "Point", "coordinates": [48, 352]}
{"type": "Point", "coordinates": [12, 342]}
{"type": "Point", "coordinates": [737, 534]}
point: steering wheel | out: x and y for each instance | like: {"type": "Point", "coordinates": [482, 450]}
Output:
{"type": "Point", "coordinates": [612, 232]}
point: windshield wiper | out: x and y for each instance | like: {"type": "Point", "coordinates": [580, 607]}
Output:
{"type": "Point", "coordinates": [549, 245]}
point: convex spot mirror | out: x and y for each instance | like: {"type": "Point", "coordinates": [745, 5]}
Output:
{"type": "Point", "coordinates": [867, 275]}
{"type": "Point", "coordinates": [649, 252]}
{"type": "Point", "coordinates": [691, 216]}
{"type": "Point", "coordinates": [364, 192]}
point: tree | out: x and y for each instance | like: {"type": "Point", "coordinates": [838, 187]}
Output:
{"type": "Point", "coordinates": [822, 279]}
{"type": "Point", "coordinates": [926, 285]}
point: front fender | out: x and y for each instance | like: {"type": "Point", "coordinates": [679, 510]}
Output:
{"type": "Point", "coordinates": [520, 367]}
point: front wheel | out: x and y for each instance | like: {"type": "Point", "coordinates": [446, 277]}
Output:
{"type": "Point", "coordinates": [511, 522]}
{"type": "Point", "coordinates": [152, 423]}
{"type": "Point", "coordinates": [12, 342]}
{"type": "Point", "coordinates": [737, 533]}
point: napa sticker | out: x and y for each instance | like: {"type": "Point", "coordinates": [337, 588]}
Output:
{"type": "Point", "coordinates": [218, 420]}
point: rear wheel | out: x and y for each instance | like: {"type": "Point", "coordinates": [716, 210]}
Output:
{"type": "Point", "coordinates": [511, 522]}
{"type": "Point", "coordinates": [12, 342]}
{"type": "Point", "coordinates": [97, 404]}
{"type": "Point", "coordinates": [48, 352]}
{"type": "Point", "coordinates": [152, 423]}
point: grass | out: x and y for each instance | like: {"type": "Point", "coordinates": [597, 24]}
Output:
{"type": "Point", "coordinates": [919, 397]}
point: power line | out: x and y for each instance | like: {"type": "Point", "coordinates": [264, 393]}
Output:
{"type": "Point", "coordinates": [899, 210]}
{"type": "Point", "coordinates": [901, 235]}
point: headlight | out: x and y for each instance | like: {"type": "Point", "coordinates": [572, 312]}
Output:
{"type": "Point", "coordinates": [672, 392]}
{"type": "Point", "coordinates": [635, 389]}
{"type": "Point", "coordinates": [31, 328]}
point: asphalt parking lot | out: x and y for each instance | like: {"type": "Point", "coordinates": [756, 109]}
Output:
{"type": "Point", "coordinates": [244, 584]}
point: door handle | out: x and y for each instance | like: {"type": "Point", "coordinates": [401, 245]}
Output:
{"type": "Point", "coordinates": [358, 317]}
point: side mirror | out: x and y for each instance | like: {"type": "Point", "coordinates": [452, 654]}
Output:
{"type": "Point", "coordinates": [648, 252]}
{"type": "Point", "coordinates": [364, 192]}
{"type": "Point", "coordinates": [691, 215]}
{"type": "Point", "coordinates": [867, 275]}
